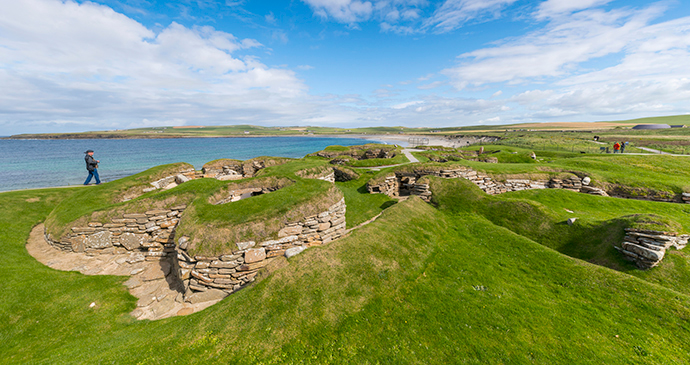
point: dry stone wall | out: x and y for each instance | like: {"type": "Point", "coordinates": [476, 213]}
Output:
{"type": "Point", "coordinates": [149, 235]}
{"type": "Point", "coordinates": [233, 270]}
{"type": "Point", "coordinates": [404, 183]}
{"type": "Point", "coordinates": [646, 248]}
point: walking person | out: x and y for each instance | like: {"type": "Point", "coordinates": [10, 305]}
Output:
{"type": "Point", "coordinates": [616, 147]}
{"type": "Point", "coordinates": [91, 167]}
{"type": "Point", "coordinates": [623, 146]}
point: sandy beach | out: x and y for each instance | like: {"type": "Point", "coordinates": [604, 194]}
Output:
{"type": "Point", "coordinates": [407, 140]}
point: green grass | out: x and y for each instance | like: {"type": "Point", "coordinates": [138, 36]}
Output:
{"type": "Point", "coordinates": [470, 278]}
{"type": "Point", "coordinates": [419, 285]}
{"type": "Point", "coordinates": [361, 205]}
{"type": "Point", "coordinates": [373, 162]}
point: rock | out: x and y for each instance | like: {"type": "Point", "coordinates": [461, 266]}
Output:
{"type": "Point", "coordinates": [205, 296]}
{"type": "Point", "coordinates": [586, 180]}
{"type": "Point", "coordinates": [245, 245]}
{"type": "Point", "coordinates": [136, 257]}
{"type": "Point", "coordinates": [170, 186]}
{"type": "Point", "coordinates": [78, 243]}
{"type": "Point", "coordinates": [132, 241]}
{"type": "Point", "coordinates": [294, 251]}
{"type": "Point", "coordinates": [571, 221]}
{"type": "Point", "coordinates": [181, 179]}
{"type": "Point", "coordinates": [156, 271]}
{"type": "Point", "coordinates": [290, 231]}
{"type": "Point", "coordinates": [643, 251]}
{"type": "Point", "coordinates": [254, 255]}
{"type": "Point", "coordinates": [132, 283]}
{"type": "Point", "coordinates": [99, 240]}
{"type": "Point", "coordinates": [324, 226]}
{"type": "Point", "coordinates": [185, 311]}
{"type": "Point", "coordinates": [183, 242]}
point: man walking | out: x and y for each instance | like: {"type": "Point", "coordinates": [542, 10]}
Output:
{"type": "Point", "coordinates": [91, 167]}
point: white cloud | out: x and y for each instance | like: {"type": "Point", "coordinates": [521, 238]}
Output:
{"type": "Point", "coordinates": [62, 61]}
{"type": "Point", "coordinates": [345, 11]}
{"type": "Point", "coordinates": [455, 13]}
{"type": "Point", "coordinates": [552, 8]}
{"type": "Point", "coordinates": [554, 51]}
{"type": "Point", "coordinates": [408, 104]}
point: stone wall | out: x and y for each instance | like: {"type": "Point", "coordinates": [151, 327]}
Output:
{"type": "Point", "coordinates": [647, 248]}
{"type": "Point", "coordinates": [403, 183]}
{"type": "Point", "coordinates": [150, 235]}
{"type": "Point", "coordinates": [236, 268]}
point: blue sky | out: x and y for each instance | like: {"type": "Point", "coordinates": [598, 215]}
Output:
{"type": "Point", "coordinates": [77, 65]}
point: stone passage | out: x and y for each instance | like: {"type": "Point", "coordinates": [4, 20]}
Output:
{"type": "Point", "coordinates": [404, 183]}
{"type": "Point", "coordinates": [165, 277]}
{"type": "Point", "coordinates": [213, 276]}
{"type": "Point", "coordinates": [646, 248]}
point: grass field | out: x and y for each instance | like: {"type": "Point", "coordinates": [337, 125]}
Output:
{"type": "Point", "coordinates": [467, 279]}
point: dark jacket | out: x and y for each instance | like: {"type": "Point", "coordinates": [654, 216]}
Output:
{"type": "Point", "coordinates": [91, 163]}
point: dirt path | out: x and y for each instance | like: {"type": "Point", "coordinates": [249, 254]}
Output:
{"type": "Point", "coordinates": [159, 293]}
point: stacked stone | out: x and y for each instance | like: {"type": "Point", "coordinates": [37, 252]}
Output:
{"type": "Point", "coordinates": [228, 173]}
{"type": "Point", "coordinates": [329, 176]}
{"type": "Point", "coordinates": [593, 190]}
{"type": "Point", "coordinates": [232, 271]}
{"type": "Point", "coordinates": [686, 198]}
{"type": "Point", "coordinates": [646, 248]}
{"type": "Point", "coordinates": [150, 234]}
{"type": "Point", "coordinates": [572, 183]}
{"type": "Point", "coordinates": [421, 190]}
{"type": "Point", "coordinates": [172, 181]}
{"type": "Point", "coordinates": [343, 174]}
{"type": "Point", "coordinates": [390, 186]}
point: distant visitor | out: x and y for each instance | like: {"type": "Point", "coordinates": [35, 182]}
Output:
{"type": "Point", "coordinates": [91, 167]}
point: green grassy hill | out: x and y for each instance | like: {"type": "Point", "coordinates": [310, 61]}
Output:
{"type": "Point", "coordinates": [467, 279]}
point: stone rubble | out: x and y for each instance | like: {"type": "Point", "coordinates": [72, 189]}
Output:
{"type": "Point", "coordinates": [646, 248]}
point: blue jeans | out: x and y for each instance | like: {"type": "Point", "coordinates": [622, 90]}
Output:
{"type": "Point", "coordinates": [93, 173]}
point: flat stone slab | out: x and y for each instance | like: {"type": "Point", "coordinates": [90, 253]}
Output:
{"type": "Point", "coordinates": [147, 282]}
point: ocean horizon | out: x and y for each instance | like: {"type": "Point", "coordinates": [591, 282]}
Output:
{"type": "Point", "coordinates": [33, 163]}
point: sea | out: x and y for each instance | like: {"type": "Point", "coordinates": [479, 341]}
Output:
{"type": "Point", "coordinates": [27, 164]}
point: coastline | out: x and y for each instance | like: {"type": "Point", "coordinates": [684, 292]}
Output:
{"type": "Point", "coordinates": [401, 139]}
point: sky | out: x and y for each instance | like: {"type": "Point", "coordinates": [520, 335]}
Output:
{"type": "Point", "coordinates": [69, 66]}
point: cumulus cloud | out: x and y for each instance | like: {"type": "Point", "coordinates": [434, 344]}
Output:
{"type": "Point", "coordinates": [65, 61]}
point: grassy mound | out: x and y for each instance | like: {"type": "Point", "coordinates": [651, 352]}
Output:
{"type": "Point", "coordinates": [368, 155]}
{"type": "Point", "coordinates": [470, 278]}
{"type": "Point", "coordinates": [78, 208]}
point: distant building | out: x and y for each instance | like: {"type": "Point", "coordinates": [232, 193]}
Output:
{"type": "Point", "coordinates": [651, 126]}
{"type": "Point", "coordinates": [678, 126]}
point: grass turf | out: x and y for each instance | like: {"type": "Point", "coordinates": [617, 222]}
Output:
{"type": "Point", "coordinates": [467, 281]}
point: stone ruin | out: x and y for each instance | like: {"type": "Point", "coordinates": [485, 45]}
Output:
{"type": "Point", "coordinates": [223, 274]}
{"type": "Point", "coordinates": [405, 183]}
{"type": "Point", "coordinates": [646, 248]}
{"type": "Point", "coordinates": [150, 236]}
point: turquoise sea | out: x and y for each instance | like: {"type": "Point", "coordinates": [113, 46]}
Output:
{"type": "Point", "coordinates": [28, 164]}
